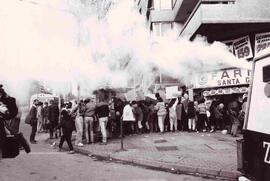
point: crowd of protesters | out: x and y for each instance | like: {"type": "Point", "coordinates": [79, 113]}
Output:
{"type": "Point", "coordinates": [94, 121]}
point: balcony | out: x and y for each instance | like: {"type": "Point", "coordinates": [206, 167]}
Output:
{"type": "Point", "coordinates": [179, 11]}
{"type": "Point", "coordinates": [220, 19]}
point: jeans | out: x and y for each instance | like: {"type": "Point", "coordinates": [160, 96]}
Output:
{"type": "Point", "coordinates": [191, 124]}
{"type": "Point", "coordinates": [39, 124]}
{"type": "Point", "coordinates": [173, 122]}
{"type": "Point", "coordinates": [89, 129]}
{"type": "Point", "coordinates": [79, 129]}
{"type": "Point", "coordinates": [235, 128]}
{"type": "Point", "coordinates": [103, 124]}
{"type": "Point", "coordinates": [161, 122]}
{"type": "Point", "coordinates": [34, 130]}
{"type": "Point", "coordinates": [202, 120]}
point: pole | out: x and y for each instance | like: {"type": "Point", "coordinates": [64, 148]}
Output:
{"type": "Point", "coordinates": [121, 130]}
{"type": "Point", "coordinates": [249, 95]}
{"type": "Point", "coordinates": [59, 117]}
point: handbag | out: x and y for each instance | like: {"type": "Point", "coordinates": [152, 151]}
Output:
{"type": "Point", "coordinates": [27, 119]}
{"type": "Point", "coordinates": [20, 139]}
{"type": "Point", "coordinates": [10, 147]}
{"type": "Point", "coordinates": [23, 142]}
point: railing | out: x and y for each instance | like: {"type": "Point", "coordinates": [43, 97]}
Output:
{"type": "Point", "coordinates": [205, 2]}
{"type": "Point", "coordinates": [217, 1]}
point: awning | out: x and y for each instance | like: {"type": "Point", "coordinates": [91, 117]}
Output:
{"type": "Point", "coordinates": [225, 91]}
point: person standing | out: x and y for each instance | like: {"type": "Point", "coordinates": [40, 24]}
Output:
{"type": "Point", "coordinates": [8, 110]}
{"type": "Point", "coordinates": [53, 116]}
{"type": "Point", "coordinates": [45, 117]}
{"type": "Point", "coordinates": [185, 102]}
{"type": "Point", "coordinates": [161, 112]}
{"type": "Point", "coordinates": [180, 114]}
{"type": "Point", "coordinates": [233, 112]}
{"type": "Point", "coordinates": [219, 115]}
{"type": "Point", "coordinates": [33, 121]}
{"type": "Point", "coordinates": [191, 113]}
{"type": "Point", "coordinates": [102, 112]}
{"type": "Point", "coordinates": [89, 114]}
{"type": "Point", "coordinates": [128, 119]}
{"type": "Point", "coordinates": [39, 117]}
{"type": "Point", "coordinates": [242, 113]}
{"type": "Point", "coordinates": [172, 114]}
{"type": "Point", "coordinates": [118, 107]}
{"type": "Point", "coordinates": [78, 111]}
{"type": "Point", "coordinates": [202, 117]}
{"type": "Point", "coordinates": [67, 124]}
{"type": "Point", "coordinates": [196, 108]}
{"type": "Point", "coordinates": [138, 116]}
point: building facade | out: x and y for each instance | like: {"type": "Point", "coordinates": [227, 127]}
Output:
{"type": "Point", "coordinates": [237, 23]}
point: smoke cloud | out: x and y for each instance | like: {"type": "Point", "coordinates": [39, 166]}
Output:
{"type": "Point", "coordinates": [93, 43]}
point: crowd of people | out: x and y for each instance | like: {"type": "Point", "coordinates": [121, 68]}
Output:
{"type": "Point", "coordinates": [97, 121]}
{"type": "Point", "coordinates": [89, 118]}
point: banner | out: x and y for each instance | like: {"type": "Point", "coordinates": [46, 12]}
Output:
{"type": "Point", "coordinates": [262, 41]}
{"type": "Point", "coordinates": [223, 78]}
{"type": "Point", "coordinates": [172, 92]}
{"type": "Point", "coordinates": [242, 48]}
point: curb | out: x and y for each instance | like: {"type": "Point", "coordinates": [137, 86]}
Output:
{"type": "Point", "coordinates": [153, 165]}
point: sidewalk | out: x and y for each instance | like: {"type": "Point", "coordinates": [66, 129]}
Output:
{"type": "Point", "coordinates": [207, 154]}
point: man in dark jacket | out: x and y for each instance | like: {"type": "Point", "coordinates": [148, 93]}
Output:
{"type": "Point", "coordinates": [8, 110]}
{"type": "Point", "coordinates": [33, 121]}
{"type": "Point", "coordinates": [53, 116]}
{"type": "Point", "coordinates": [67, 124]}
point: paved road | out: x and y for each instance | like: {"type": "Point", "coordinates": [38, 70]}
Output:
{"type": "Point", "coordinates": [46, 163]}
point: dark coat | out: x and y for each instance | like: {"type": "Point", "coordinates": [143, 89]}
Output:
{"type": "Point", "coordinates": [33, 115]}
{"type": "Point", "coordinates": [53, 114]}
{"type": "Point", "coordinates": [10, 103]}
{"type": "Point", "coordinates": [102, 110]}
{"type": "Point", "coordinates": [191, 110]}
{"type": "Point", "coordinates": [66, 121]}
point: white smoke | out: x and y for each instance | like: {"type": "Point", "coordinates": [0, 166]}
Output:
{"type": "Point", "coordinates": [94, 43]}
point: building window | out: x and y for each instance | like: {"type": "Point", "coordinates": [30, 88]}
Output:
{"type": "Point", "coordinates": [161, 29]}
{"type": "Point", "coordinates": [163, 4]}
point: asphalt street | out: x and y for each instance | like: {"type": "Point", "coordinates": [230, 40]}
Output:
{"type": "Point", "coordinates": [45, 163]}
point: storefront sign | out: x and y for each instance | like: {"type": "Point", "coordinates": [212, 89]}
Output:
{"type": "Point", "coordinates": [223, 78]}
{"type": "Point", "coordinates": [242, 48]}
{"type": "Point", "coordinates": [262, 41]}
